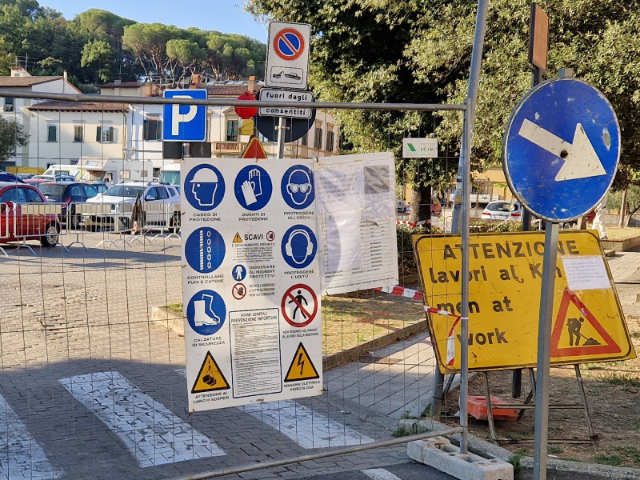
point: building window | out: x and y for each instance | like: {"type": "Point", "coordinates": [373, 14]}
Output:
{"type": "Point", "coordinates": [78, 134]}
{"type": "Point", "coordinates": [232, 130]}
{"type": "Point", "coordinates": [330, 141]}
{"type": "Point", "coordinates": [152, 129]}
{"type": "Point", "coordinates": [318, 139]}
{"type": "Point", "coordinates": [304, 141]}
{"type": "Point", "coordinates": [9, 104]}
{"type": "Point", "coordinates": [104, 135]}
{"type": "Point", "coordinates": [52, 133]}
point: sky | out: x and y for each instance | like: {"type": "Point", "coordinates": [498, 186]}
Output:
{"type": "Point", "coordinates": [225, 16]}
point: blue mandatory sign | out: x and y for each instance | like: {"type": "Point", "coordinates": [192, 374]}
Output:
{"type": "Point", "coordinates": [297, 187]}
{"type": "Point", "coordinates": [204, 187]}
{"type": "Point", "coordinates": [204, 250]}
{"type": "Point", "coordinates": [561, 149]}
{"type": "Point", "coordinates": [206, 312]}
{"type": "Point", "coordinates": [239, 273]}
{"type": "Point", "coordinates": [253, 187]}
{"type": "Point", "coordinates": [299, 246]}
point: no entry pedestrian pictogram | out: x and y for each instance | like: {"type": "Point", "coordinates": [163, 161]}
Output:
{"type": "Point", "coordinates": [288, 44]}
{"type": "Point", "coordinates": [299, 305]}
{"type": "Point", "coordinates": [271, 236]}
{"type": "Point", "coordinates": [239, 291]}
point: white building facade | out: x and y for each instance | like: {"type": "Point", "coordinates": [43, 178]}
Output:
{"type": "Point", "coordinates": [65, 132]}
{"type": "Point", "coordinates": [17, 109]}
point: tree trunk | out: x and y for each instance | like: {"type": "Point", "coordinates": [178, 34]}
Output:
{"type": "Point", "coordinates": [421, 205]}
{"type": "Point", "coordinates": [623, 201]}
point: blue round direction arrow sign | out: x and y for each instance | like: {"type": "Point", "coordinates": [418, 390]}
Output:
{"type": "Point", "coordinates": [561, 149]}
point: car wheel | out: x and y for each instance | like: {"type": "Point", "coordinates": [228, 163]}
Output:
{"type": "Point", "coordinates": [51, 235]}
{"type": "Point", "coordinates": [176, 221]}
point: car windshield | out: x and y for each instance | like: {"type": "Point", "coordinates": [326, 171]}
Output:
{"type": "Point", "coordinates": [172, 178]}
{"type": "Point", "coordinates": [124, 191]}
{"type": "Point", "coordinates": [499, 207]}
{"type": "Point", "coordinates": [52, 191]}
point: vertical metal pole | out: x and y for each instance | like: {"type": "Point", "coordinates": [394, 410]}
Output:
{"type": "Point", "coordinates": [465, 158]}
{"type": "Point", "coordinates": [516, 385]}
{"type": "Point", "coordinates": [281, 133]}
{"type": "Point", "coordinates": [544, 350]}
{"type": "Point", "coordinates": [460, 220]}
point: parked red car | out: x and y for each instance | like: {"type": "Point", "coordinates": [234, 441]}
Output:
{"type": "Point", "coordinates": [16, 225]}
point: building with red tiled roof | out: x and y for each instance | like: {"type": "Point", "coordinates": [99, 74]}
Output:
{"type": "Point", "coordinates": [17, 108]}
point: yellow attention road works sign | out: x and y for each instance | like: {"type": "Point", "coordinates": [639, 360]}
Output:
{"type": "Point", "coordinates": [504, 300]}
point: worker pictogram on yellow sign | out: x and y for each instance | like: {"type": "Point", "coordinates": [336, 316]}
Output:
{"type": "Point", "coordinates": [237, 238]}
{"type": "Point", "coordinates": [505, 280]}
{"type": "Point", "coordinates": [210, 377]}
{"type": "Point", "coordinates": [301, 367]}
{"type": "Point", "coordinates": [577, 332]}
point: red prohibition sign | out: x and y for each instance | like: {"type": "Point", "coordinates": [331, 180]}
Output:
{"type": "Point", "coordinates": [288, 44]}
{"type": "Point", "coordinates": [239, 291]}
{"type": "Point", "coordinates": [296, 297]}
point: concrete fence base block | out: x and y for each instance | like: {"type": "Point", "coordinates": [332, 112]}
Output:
{"type": "Point", "coordinates": [440, 454]}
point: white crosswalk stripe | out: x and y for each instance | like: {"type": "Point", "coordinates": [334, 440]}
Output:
{"type": "Point", "coordinates": [380, 474]}
{"type": "Point", "coordinates": [20, 455]}
{"type": "Point", "coordinates": [153, 434]}
{"type": "Point", "coordinates": [307, 428]}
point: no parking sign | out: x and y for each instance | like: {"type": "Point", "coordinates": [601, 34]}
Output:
{"type": "Point", "coordinates": [288, 55]}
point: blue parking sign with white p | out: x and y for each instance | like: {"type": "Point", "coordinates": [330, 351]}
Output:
{"type": "Point", "coordinates": [185, 123]}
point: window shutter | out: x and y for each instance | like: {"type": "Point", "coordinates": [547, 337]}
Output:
{"type": "Point", "coordinates": [99, 135]}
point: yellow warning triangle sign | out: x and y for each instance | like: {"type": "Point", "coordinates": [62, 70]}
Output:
{"type": "Point", "coordinates": [301, 367]}
{"type": "Point", "coordinates": [210, 377]}
{"type": "Point", "coordinates": [237, 238]}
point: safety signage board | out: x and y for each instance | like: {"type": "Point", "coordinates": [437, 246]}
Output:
{"type": "Point", "coordinates": [288, 55]}
{"type": "Point", "coordinates": [561, 149]}
{"type": "Point", "coordinates": [504, 301]}
{"type": "Point", "coordinates": [281, 95]}
{"type": "Point", "coordinates": [251, 281]}
{"type": "Point", "coordinates": [185, 123]}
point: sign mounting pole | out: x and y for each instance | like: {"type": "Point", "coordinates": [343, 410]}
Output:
{"type": "Point", "coordinates": [538, 53]}
{"type": "Point", "coordinates": [544, 350]}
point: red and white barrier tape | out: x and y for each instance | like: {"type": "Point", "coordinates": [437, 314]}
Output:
{"type": "Point", "coordinates": [416, 295]}
{"type": "Point", "coordinates": [451, 352]}
{"type": "Point", "coordinates": [406, 222]}
{"type": "Point", "coordinates": [401, 292]}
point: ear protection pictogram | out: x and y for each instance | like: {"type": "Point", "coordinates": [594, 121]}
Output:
{"type": "Point", "coordinates": [288, 248]}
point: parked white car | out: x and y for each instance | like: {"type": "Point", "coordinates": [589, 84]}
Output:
{"type": "Point", "coordinates": [502, 210]}
{"type": "Point", "coordinates": [158, 203]}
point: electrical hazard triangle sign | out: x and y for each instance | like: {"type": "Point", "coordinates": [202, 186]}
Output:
{"type": "Point", "coordinates": [210, 377]}
{"type": "Point", "coordinates": [577, 332]}
{"type": "Point", "coordinates": [237, 238]}
{"type": "Point", "coordinates": [301, 367]}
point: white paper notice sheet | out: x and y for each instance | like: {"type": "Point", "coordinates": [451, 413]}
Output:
{"type": "Point", "coordinates": [586, 273]}
{"type": "Point", "coordinates": [356, 203]}
{"type": "Point", "coordinates": [343, 241]}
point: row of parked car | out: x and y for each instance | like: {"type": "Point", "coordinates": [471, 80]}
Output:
{"type": "Point", "coordinates": [17, 225]}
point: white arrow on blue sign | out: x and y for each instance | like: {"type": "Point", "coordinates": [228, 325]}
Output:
{"type": "Point", "coordinates": [561, 149]}
{"type": "Point", "coordinates": [185, 123]}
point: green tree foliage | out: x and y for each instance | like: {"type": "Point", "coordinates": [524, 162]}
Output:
{"type": "Point", "coordinates": [12, 136]}
{"type": "Point", "coordinates": [99, 56]}
{"type": "Point", "coordinates": [420, 50]}
{"type": "Point", "coordinates": [98, 46]}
